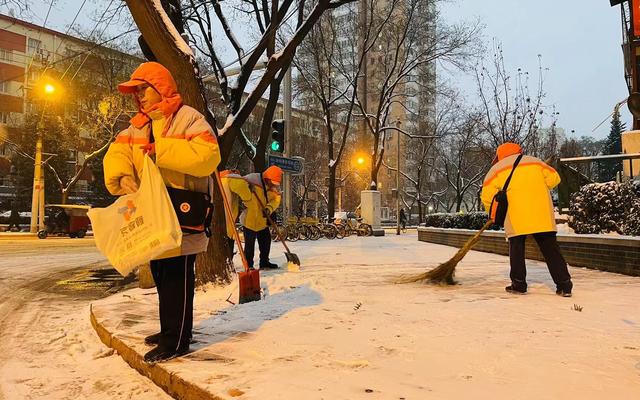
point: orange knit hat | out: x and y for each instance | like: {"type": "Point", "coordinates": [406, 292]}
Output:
{"type": "Point", "coordinates": [508, 149]}
{"type": "Point", "coordinates": [274, 174]}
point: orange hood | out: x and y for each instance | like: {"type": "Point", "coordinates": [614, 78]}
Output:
{"type": "Point", "coordinates": [160, 78]}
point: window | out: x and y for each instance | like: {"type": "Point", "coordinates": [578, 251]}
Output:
{"type": "Point", "coordinates": [4, 117]}
{"type": "Point", "coordinates": [33, 46]}
{"type": "Point", "coordinates": [4, 86]}
{"type": "Point", "coordinates": [6, 55]}
{"type": "Point", "coordinates": [34, 74]}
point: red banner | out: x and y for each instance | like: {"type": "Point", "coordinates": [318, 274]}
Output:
{"type": "Point", "coordinates": [635, 13]}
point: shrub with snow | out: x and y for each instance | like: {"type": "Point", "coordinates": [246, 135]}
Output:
{"type": "Point", "coordinates": [472, 220]}
{"type": "Point", "coordinates": [606, 207]}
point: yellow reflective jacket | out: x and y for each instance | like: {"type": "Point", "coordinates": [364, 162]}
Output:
{"type": "Point", "coordinates": [236, 189]}
{"type": "Point", "coordinates": [252, 217]}
{"type": "Point", "coordinates": [186, 152]}
{"type": "Point", "coordinates": [530, 205]}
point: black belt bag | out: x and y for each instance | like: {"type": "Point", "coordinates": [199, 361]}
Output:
{"type": "Point", "coordinates": [193, 209]}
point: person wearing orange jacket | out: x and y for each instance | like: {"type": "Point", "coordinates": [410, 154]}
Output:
{"type": "Point", "coordinates": [265, 199]}
{"type": "Point", "coordinates": [530, 212]}
{"type": "Point", "coordinates": [236, 190]}
{"type": "Point", "coordinates": [186, 152]}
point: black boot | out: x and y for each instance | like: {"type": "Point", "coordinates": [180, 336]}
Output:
{"type": "Point", "coordinates": [161, 354]}
{"type": "Point", "coordinates": [515, 290]}
{"type": "Point", "coordinates": [564, 289]}
{"type": "Point", "coordinates": [153, 340]}
{"type": "Point", "coordinates": [268, 265]}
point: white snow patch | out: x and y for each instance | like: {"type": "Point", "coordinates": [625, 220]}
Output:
{"type": "Point", "coordinates": [565, 229]}
{"type": "Point", "coordinates": [177, 38]}
{"type": "Point", "coordinates": [340, 329]}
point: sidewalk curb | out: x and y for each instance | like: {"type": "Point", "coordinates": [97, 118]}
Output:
{"type": "Point", "coordinates": [174, 385]}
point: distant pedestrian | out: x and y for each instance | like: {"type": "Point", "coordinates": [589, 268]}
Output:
{"type": "Point", "coordinates": [530, 212]}
{"type": "Point", "coordinates": [403, 219]}
{"type": "Point", "coordinates": [14, 217]}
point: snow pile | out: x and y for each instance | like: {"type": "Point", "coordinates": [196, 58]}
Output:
{"type": "Point", "coordinates": [606, 207]}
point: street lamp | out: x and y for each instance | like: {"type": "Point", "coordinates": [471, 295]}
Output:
{"type": "Point", "coordinates": [48, 90]}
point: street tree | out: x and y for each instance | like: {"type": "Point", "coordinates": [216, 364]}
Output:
{"type": "Point", "coordinates": [328, 68]}
{"type": "Point", "coordinates": [411, 35]}
{"type": "Point", "coordinates": [159, 22]}
{"type": "Point", "coordinates": [607, 170]}
{"type": "Point", "coordinates": [462, 161]}
{"type": "Point", "coordinates": [422, 184]}
{"type": "Point", "coordinates": [513, 110]}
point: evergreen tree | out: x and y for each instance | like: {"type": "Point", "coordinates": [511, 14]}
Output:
{"type": "Point", "coordinates": [612, 145]}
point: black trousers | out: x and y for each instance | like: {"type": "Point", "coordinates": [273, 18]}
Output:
{"type": "Point", "coordinates": [264, 243]}
{"type": "Point", "coordinates": [548, 244]}
{"type": "Point", "coordinates": [175, 281]}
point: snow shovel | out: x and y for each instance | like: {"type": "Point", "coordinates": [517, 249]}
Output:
{"type": "Point", "coordinates": [249, 279]}
{"type": "Point", "coordinates": [292, 258]}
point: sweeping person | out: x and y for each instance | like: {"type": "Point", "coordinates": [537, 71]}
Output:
{"type": "Point", "coordinates": [264, 201]}
{"type": "Point", "coordinates": [530, 212]}
{"type": "Point", "coordinates": [186, 151]}
{"type": "Point", "coordinates": [237, 190]}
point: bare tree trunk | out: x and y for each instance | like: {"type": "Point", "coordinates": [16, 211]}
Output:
{"type": "Point", "coordinates": [215, 266]}
{"type": "Point", "coordinates": [331, 196]}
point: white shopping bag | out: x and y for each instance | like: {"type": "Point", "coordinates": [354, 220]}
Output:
{"type": "Point", "coordinates": [137, 227]}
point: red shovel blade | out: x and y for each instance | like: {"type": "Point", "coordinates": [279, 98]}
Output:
{"type": "Point", "coordinates": [249, 286]}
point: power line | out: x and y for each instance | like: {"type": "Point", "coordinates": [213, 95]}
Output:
{"type": "Point", "coordinates": [96, 45]}
{"type": "Point", "coordinates": [91, 33]}
{"type": "Point", "coordinates": [39, 37]}
{"type": "Point", "coordinates": [71, 25]}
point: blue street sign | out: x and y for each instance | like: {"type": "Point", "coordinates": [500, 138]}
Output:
{"type": "Point", "coordinates": [294, 165]}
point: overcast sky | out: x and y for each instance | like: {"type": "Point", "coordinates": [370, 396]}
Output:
{"type": "Point", "coordinates": [579, 41]}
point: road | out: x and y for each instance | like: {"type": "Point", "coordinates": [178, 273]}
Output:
{"type": "Point", "coordinates": [48, 348]}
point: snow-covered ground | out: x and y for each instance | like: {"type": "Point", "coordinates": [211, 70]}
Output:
{"type": "Point", "coordinates": [341, 329]}
{"type": "Point", "coordinates": [48, 349]}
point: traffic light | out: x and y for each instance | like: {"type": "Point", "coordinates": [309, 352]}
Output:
{"type": "Point", "coordinates": [277, 145]}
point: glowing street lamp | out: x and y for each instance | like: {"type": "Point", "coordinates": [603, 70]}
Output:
{"type": "Point", "coordinates": [49, 88]}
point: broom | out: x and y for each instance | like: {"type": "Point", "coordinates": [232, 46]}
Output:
{"type": "Point", "coordinates": [443, 273]}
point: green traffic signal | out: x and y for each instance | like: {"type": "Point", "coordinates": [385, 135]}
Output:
{"type": "Point", "coordinates": [276, 146]}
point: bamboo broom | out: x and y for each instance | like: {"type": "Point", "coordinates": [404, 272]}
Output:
{"type": "Point", "coordinates": [443, 273]}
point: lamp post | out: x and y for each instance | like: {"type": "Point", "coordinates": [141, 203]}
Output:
{"type": "Point", "coordinates": [398, 177]}
{"type": "Point", "coordinates": [37, 197]}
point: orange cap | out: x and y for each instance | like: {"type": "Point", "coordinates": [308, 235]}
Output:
{"type": "Point", "coordinates": [508, 149]}
{"type": "Point", "coordinates": [273, 173]}
{"type": "Point", "coordinates": [153, 73]}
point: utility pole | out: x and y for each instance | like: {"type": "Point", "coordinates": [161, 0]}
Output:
{"type": "Point", "coordinates": [398, 177]}
{"type": "Point", "coordinates": [37, 196]}
{"type": "Point", "coordinates": [287, 140]}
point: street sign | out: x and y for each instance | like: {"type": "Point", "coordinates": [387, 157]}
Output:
{"type": "Point", "coordinates": [294, 164]}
